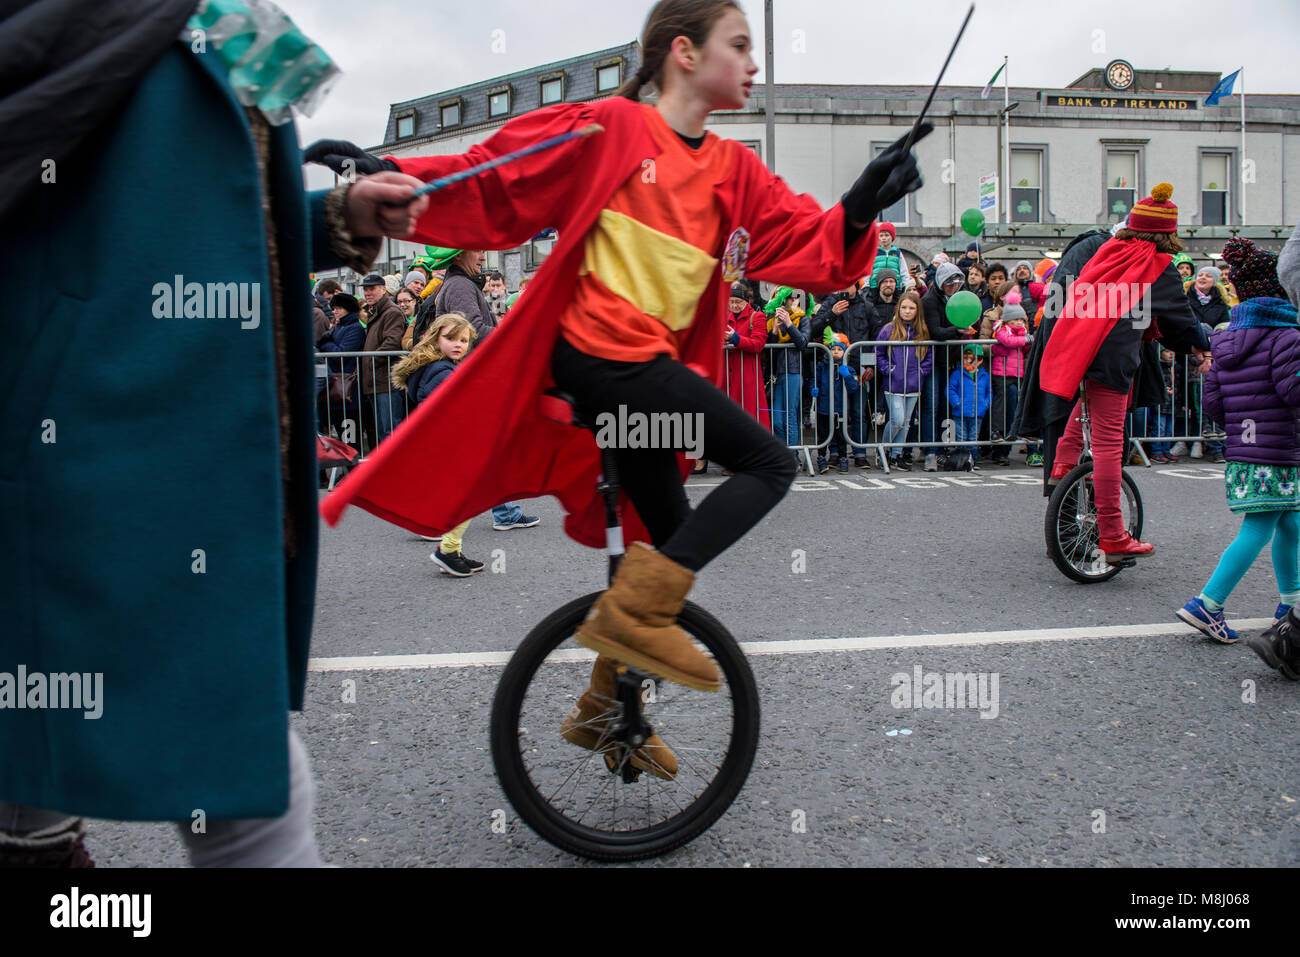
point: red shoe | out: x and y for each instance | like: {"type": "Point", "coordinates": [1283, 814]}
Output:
{"type": "Point", "coordinates": [1059, 471]}
{"type": "Point", "coordinates": [1117, 550]}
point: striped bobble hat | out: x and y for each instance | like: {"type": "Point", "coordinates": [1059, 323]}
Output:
{"type": "Point", "coordinates": [1155, 214]}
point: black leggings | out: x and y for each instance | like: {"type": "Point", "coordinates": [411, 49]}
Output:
{"type": "Point", "coordinates": [763, 467]}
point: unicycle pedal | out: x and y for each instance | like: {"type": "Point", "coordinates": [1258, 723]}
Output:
{"type": "Point", "coordinates": [629, 774]}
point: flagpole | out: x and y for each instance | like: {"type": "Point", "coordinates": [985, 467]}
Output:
{"type": "Point", "coordinates": [1242, 77]}
{"type": "Point", "coordinates": [1006, 154]}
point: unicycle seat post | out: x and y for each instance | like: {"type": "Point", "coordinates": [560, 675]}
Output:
{"type": "Point", "coordinates": [607, 486]}
{"type": "Point", "coordinates": [559, 406]}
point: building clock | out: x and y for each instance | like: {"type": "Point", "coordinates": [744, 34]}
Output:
{"type": "Point", "coordinates": [1120, 75]}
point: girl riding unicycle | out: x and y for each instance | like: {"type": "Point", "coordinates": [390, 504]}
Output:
{"type": "Point", "coordinates": [656, 218]}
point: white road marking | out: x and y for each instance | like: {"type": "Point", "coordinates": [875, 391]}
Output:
{"type": "Point", "coordinates": [798, 646]}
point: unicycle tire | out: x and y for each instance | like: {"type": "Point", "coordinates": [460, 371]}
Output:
{"type": "Point", "coordinates": [1070, 526]}
{"type": "Point", "coordinates": [524, 724]}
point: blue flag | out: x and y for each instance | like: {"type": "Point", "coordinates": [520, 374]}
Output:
{"type": "Point", "coordinates": [1222, 90]}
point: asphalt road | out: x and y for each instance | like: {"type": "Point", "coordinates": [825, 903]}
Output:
{"type": "Point", "coordinates": [1154, 747]}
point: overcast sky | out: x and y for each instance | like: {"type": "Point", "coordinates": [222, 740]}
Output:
{"type": "Point", "coordinates": [391, 51]}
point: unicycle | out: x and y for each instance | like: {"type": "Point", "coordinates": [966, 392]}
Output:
{"type": "Point", "coordinates": [1070, 526]}
{"type": "Point", "coordinates": [595, 803]}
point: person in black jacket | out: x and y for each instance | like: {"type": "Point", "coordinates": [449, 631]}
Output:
{"type": "Point", "coordinates": [849, 313]}
{"type": "Point", "coordinates": [1041, 414]}
{"type": "Point", "coordinates": [948, 281]}
{"type": "Point", "coordinates": [1108, 366]}
{"type": "Point", "coordinates": [883, 300]}
{"type": "Point", "coordinates": [345, 334]}
{"type": "Point", "coordinates": [1205, 296]}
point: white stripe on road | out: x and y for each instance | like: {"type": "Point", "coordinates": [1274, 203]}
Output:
{"type": "Point", "coordinates": [800, 646]}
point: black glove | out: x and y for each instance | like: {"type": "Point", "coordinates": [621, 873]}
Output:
{"type": "Point", "coordinates": [887, 179]}
{"type": "Point", "coordinates": [344, 158]}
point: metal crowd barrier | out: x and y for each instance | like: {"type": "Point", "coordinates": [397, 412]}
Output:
{"type": "Point", "coordinates": [356, 421]}
{"type": "Point", "coordinates": [1163, 426]}
{"type": "Point", "coordinates": [772, 386]}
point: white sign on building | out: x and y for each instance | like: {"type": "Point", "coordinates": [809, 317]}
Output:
{"type": "Point", "coordinates": [989, 196]}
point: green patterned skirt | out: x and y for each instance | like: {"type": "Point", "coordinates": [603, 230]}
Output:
{"type": "Point", "coordinates": [1262, 488]}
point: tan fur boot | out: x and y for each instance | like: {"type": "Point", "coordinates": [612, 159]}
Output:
{"type": "Point", "coordinates": [634, 621]}
{"type": "Point", "coordinates": [587, 725]}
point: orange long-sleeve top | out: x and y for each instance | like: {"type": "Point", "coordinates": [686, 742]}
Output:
{"type": "Point", "coordinates": [652, 251]}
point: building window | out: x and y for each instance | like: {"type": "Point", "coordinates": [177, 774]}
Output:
{"type": "Point", "coordinates": [538, 250]}
{"type": "Point", "coordinates": [450, 113]}
{"type": "Point", "coordinates": [406, 126]}
{"type": "Point", "coordinates": [896, 214]}
{"type": "Point", "coordinates": [498, 103]}
{"type": "Point", "coordinates": [754, 145]}
{"type": "Point", "coordinates": [553, 90]}
{"type": "Point", "coordinates": [1214, 188]}
{"type": "Point", "coordinates": [1121, 184]}
{"type": "Point", "coordinates": [609, 78]}
{"type": "Point", "coordinates": [1026, 186]}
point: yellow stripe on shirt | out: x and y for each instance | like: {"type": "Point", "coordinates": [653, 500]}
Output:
{"type": "Point", "coordinates": [659, 275]}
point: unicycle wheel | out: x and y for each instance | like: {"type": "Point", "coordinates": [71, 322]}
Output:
{"type": "Point", "coordinates": [585, 801]}
{"type": "Point", "coordinates": [1070, 526]}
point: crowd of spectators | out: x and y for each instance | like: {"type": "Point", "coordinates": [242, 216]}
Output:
{"type": "Point", "coordinates": [895, 372]}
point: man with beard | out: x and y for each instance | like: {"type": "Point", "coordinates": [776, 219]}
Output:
{"type": "Point", "coordinates": [849, 313]}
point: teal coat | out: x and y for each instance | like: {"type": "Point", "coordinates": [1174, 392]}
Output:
{"type": "Point", "coordinates": [165, 442]}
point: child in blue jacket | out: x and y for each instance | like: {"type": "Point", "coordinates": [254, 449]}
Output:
{"type": "Point", "coordinates": [428, 366]}
{"type": "Point", "coordinates": [970, 393]}
{"type": "Point", "coordinates": [830, 401]}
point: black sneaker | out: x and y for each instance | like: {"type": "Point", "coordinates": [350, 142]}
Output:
{"type": "Point", "coordinates": [904, 464]}
{"type": "Point", "coordinates": [1219, 459]}
{"type": "Point", "coordinates": [822, 465]}
{"type": "Point", "coordinates": [473, 565]}
{"type": "Point", "coordinates": [524, 521]}
{"type": "Point", "coordinates": [861, 462]}
{"type": "Point", "coordinates": [844, 466]}
{"type": "Point", "coordinates": [1278, 648]}
{"type": "Point", "coordinates": [452, 563]}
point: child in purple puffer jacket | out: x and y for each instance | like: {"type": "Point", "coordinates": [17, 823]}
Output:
{"type": "Point", "coordinates": [1253, 388]}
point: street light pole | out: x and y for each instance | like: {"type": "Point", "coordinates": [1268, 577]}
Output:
{"type": "Point", "coordinates": [769, 59]}
{"type": "Point", "coordinates": [1004, 158]}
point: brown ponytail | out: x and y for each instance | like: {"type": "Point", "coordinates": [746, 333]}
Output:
{"type": "Point", "coordinates": [669, 20]}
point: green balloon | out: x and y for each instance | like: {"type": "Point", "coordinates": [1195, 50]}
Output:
{"type": "Point", "coordinates": [972, 222]}
{"type": "Point", "coordinates": [963, 309]}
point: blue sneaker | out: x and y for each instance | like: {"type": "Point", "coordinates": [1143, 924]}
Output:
{"type": "Point", "coordinates": [1280, 614]}
{"type": "Point", "coordinates": [1213, 624]}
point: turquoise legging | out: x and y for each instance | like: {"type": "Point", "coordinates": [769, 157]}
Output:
{"type": "Point", "coordinates": [1256, 529]}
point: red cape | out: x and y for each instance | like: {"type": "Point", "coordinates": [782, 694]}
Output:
{"type": "Point", "coordinates": [1114, 280]}
{"type": "Point", "coordinates": [480, 439]}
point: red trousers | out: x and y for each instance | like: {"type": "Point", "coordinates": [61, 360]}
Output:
{"type": "Point", "coordinates": [1106, 411]}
